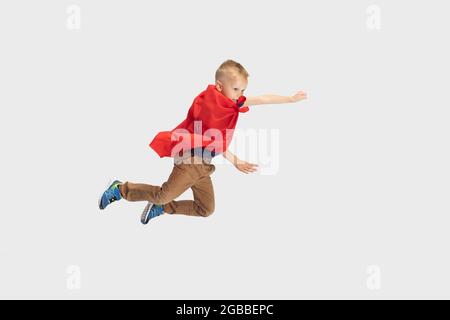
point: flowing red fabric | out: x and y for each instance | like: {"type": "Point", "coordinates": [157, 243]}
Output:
{"type": "Point", "coordinates": [210, 123]}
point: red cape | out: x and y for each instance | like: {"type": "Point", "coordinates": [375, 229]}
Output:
{"type": "Point", "coordinates": [210, 123]}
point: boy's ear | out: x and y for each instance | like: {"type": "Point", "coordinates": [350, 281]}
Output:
{"type": "Point", "coordinates": [219, 85]}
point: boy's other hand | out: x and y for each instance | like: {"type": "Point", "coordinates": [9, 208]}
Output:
{"type": "Point", "coordinates": [246, 167]}
{"type": "Point", "coordinates": [301, 95]}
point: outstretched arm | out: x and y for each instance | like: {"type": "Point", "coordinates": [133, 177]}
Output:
{"type": "Point", "coordinates": [230, 157]}
{"type": "Point", "coordinates": [241, 165]}
{"type": "Point", "coordinates": [275, 99]}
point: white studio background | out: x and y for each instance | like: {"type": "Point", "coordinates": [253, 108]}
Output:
{"type": "Point", "coordinates": [358, 207]}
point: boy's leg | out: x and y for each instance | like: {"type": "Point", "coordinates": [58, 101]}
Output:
{"type": "Point", "coordinates": [178, 182]}
{"type": "Point", "coordinates": [203, 204]}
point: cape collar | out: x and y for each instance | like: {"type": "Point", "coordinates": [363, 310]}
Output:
{"type": "Point", "coordinates": [239, 105]}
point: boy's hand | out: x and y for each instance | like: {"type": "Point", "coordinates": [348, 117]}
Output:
{"type": "Point", "coordinates": [246, 167]}
{"type": "Point", "coordinates": [301, 95]}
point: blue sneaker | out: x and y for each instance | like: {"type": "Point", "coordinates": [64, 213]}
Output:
{"type": "Point", "coordinates": [110, 195]}
{"type": "Point", "coordinates": [151, 211]}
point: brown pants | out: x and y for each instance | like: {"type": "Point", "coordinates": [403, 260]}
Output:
{"type": "Point", "coordinates": [185, 175]}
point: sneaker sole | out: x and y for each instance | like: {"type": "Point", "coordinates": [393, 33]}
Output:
{"type": "Point", "coordinates": [144, 214]}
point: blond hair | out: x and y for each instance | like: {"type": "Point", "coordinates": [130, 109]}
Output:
{"type": "Point", "coordinates": [230, 69]}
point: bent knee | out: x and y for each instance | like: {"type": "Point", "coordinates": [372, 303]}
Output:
{"type": "Point", "coordinates": [206, 211]}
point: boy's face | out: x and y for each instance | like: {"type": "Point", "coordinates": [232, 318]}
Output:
{"type": "Point", "coordinates": [232, 89]}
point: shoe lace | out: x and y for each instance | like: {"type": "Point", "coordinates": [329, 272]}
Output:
{"type": "Point", "coordinates": [110, 195]}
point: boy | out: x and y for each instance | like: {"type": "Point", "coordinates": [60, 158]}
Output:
{"type": "Point", "coordinates": [206, 132]}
